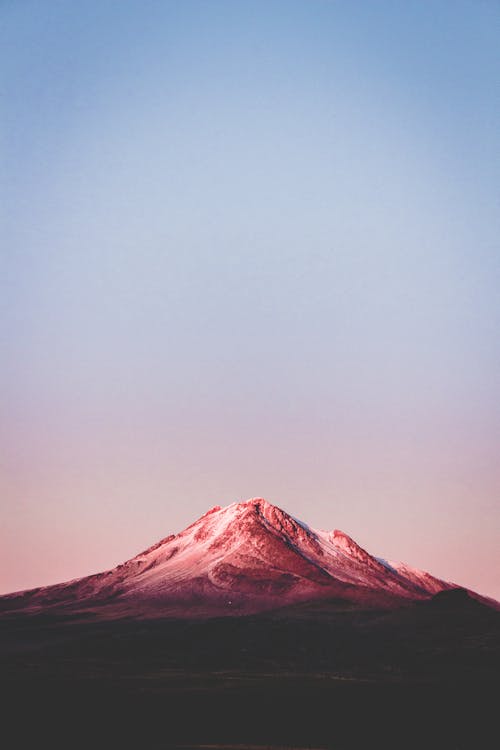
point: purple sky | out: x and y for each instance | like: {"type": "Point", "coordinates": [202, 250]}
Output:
{"type": "Point", "coordinates": [249, 249]}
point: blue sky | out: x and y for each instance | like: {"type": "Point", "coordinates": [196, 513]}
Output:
{"type": "Point", "coordinates": [250, 248]}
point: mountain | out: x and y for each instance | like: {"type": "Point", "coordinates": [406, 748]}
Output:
{"type": "Point", "coordinates": [341, 649]}
{"type": "Point", "coordinates": [244, 558]}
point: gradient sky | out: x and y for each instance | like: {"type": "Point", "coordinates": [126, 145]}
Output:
{"type": "Point", "coordinates": [249, 249]}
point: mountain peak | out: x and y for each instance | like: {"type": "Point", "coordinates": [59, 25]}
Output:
{"type": "Point", "coordinates": [259, 503]}
{"type": "Point", "coordinates": [255, 501]}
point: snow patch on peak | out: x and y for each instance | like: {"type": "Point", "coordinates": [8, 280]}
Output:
{"type": "Point", "coordinates": [303, 525]}
{"type": "Point", "coordinates": [421, 578]}
{"type": "Point", "coordinates": [256, 502]}
{"type": "Point", "coordinates": [344, 541]}
{"type": "Point", "coordinates": [348, 546]}
{"type": "Point", "coordinates": [241, 505]}
{"type": "Point", "coordinates": [386, 564]}
{"type": "Point", "coordinates": [340, 535]}
{"type": "Point", "coordinates": [153, 548]}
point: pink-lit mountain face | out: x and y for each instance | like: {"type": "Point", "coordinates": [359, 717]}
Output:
{"type": "Point", "coordinates": [247, 557]}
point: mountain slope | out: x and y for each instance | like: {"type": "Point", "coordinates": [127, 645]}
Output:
{"type": "Point", "coordinates": [247, 557]}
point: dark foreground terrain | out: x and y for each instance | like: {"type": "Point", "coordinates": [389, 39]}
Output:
{"type": "Point", "coordinates": [322, 676]}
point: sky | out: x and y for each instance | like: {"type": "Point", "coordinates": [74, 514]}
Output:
{"type": "Point", "coordinates": [249, 249]}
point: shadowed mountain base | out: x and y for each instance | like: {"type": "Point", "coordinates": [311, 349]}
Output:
{"type": "Point", "coordinates": [325, 676]}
